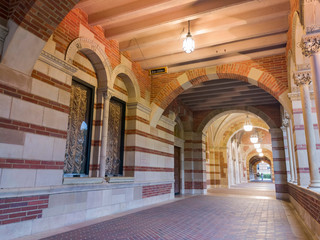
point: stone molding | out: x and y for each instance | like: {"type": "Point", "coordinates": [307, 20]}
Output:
{"type": "Point", "coordinates": [302, 78]}
{"type": "Point", "coordinates": [310, 44]}
{"type": "Point", "coordinates": [139, 106]}
{"type": "Point", "coordinates": [168, 121]}
{"type": "Point", "coordinates": [57, 63]}
{"type": "Point", "coordinates": [18, 192]}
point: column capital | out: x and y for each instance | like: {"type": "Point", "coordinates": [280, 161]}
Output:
{"type": "Point", "coordinates": [310, 44]}
{"type": "Point", "coordinates": [107, 93]}
{"type": "Point", "coordinates": [302, 78]}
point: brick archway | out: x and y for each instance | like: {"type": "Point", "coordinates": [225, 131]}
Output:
{"type": "Point", "coordinates": [31, 23]}
{"type": "Point", "coordinates": [238, 71]}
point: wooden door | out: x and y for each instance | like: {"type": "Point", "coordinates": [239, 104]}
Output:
{"type": "Point", "coordinates": [177, 170]}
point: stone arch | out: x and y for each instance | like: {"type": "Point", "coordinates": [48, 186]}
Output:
{"type": "Point", "coordinates": [297, 34]}
{"type": "Point", "coordinates": [179, 126]}
{"type": "Point", "coordinates": [212, 116]}
{"type": "Point", "coordinates": [235, 129]}
{"type": "Point", "coordinates": [96, 55]}
{"type": "Point", "coordinates": [252, 161]}
{"type": "Point", "coordinates": [129, 80]}
{"type": "Point", "coordinates": [237, 71]}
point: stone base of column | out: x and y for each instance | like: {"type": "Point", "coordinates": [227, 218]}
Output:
{"type": "Point", "coordinates": [282, 196]}
{"type": "Point", "coordinates": [315, 184]}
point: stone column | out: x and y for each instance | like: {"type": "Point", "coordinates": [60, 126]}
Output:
{"type": "Point", "coordinates": [294, 160]}
{"type": "Point", "coordinates": [303, 79]}
{"type": "Point", "coordinates": [311, 48]}
{"type": "Point", "coordinates": [104, 138]}
{"type": "Point", "coordinates": [286, 130]}
{"type": "Point", "coordinates": [279, 163]}
{"type": "Point", "coordinates": [286, 153]}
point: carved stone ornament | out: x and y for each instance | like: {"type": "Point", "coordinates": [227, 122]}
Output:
{"type": "Point", "coordinates": [310, 44]}
{"type": "Point", "coordinates": [302, 78]}
{"type": "Point", "coordinates": [285, 122]}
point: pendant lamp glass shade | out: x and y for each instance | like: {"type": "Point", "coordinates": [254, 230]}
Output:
{"type": "Point", "coordinates": [247, 125]}
{"type": "Point", "coordinates": [188, 43]}
{"type": "Point", "coordinates": [259, 150]}
{"type": "Point", "coordinates": [254, 138]}
{"type": "Point", "coordinates": [257, 145]}
{"type": "Point", "coordinates": [261, 154]}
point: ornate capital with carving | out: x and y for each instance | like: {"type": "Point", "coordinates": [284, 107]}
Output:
{"type": "Point", "coordinates": [310, 44]}
{"type": "Point", "coordinates": [107, 95]}
{"type": "Point", "coordinates": [285, 122]}
{"type": "Point", "coordinates": [302, 78]}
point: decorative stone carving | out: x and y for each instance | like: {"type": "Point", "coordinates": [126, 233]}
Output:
{"type": "Point", "coordinates": [57, 63]}
{"type": "Point", "coordinates": [302, 78]}
{"type": "Point", "coordinates": [310, 44]}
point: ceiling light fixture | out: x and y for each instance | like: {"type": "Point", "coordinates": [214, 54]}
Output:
{"type": "Point", "coordinates": [188, 43]}
{"type": "Point", "coordinates": [254, 137]}
{"type": "Point", "coordinates": [261, 154]}
{"type": "Point", "coordinates": [247, 125]}
{"type": "Point", "coordinates": [259, 150]}
{"type": "Point", "coordinates": [257, 145]}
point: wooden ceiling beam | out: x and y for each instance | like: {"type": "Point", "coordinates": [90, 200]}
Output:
{"type": "Point", "coordinates": [216, 51]}
{"type": "Point", "coordinates": [199, 108]}
{"type": "Point", "coordinates": [201, 26]}
{"type": "Point", "coordinates": [225, 95]}
{"type": "Point", "coordinates": [179, 13]}
{"type": "Point", "coordinates": [227, 60]}
{"type": "Point", "coordinates": [211, 39]}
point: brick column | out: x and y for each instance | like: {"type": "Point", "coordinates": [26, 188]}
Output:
{"type": "Point", "coordinates": [279, 165]}
{"type": "Point", "coordinates": [104, 138]}
{"type": "Point", "coordinates": [195, 163]}
{"type": "Point", "coordinates": [303, 79]}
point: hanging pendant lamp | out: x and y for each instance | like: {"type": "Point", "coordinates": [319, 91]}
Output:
{"type": "Point", "coordinates": [247, 125]}
{"type": "Point", "coordinates": [254, 137]}
{"type": "Point", "coordinates": [261, 154]}
{"type": "Point", "coordinates": [188, 43]}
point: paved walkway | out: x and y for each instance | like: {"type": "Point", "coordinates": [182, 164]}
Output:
{"type": "Point", "coordinates": [221, 214]}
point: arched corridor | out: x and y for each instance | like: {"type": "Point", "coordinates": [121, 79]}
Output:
{"type": "Point", "coordinates": [112, 106]}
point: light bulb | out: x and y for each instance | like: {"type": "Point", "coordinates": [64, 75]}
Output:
{"type": "Point", "coordinates": [254, 138]}
{"type": "Point", "coordinates": [188, 44]}
{"type": "Point", "coordinates": [257, 145]}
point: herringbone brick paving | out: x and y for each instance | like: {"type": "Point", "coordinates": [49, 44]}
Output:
{"type": "Point", "coordinates": [200, 217]}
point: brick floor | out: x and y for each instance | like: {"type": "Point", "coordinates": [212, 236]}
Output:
{"type": "Point", "coordinates": [200, 217]}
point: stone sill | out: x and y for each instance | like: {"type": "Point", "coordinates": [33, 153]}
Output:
{"type": "Point", "coordinates": [68, 188]}
{"type": "Point", "coordinates": [119, 179]}
{"type": "Point", "coordinates": [82, 180]}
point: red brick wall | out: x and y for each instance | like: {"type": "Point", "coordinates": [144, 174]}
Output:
{"type": "Point", "coordinates": [310, 203]}
{"type": "Point", "coordinates": [20, 209]}
{"type": "Point", "coordinates": [156, 190]}
{"type": "Point", "coordinates": [68, 30]}
{"type": "Point", "coordinates": [40, 17]}
{"type": "Point", "coordinates": [4, 9]}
